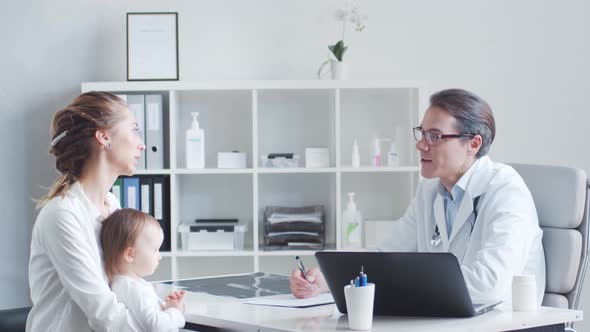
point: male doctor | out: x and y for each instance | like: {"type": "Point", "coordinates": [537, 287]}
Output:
{"type": "Point", "coordinates": [477, 209]}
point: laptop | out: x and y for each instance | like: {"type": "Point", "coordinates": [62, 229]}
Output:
{"type": "Point", "coordinates": [406, 284]}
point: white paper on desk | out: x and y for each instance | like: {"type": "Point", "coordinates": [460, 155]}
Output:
{"type": "Point", "coordinates": [288, 300]}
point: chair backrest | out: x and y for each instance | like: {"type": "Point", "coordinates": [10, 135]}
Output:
{"type": "Point", "coordinates": [561, 199]}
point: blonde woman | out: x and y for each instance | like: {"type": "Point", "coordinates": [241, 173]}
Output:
{"type": "Point", "coordinates": [94, 140]}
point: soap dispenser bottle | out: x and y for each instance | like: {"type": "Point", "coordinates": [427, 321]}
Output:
{"type": "Point", "coordinates": [195, 144]}
{"type": "Point", "coordinates": [351, 225]}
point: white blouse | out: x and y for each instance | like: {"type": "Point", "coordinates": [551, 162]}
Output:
{"type": "Point", "coordinates": [69, 288]}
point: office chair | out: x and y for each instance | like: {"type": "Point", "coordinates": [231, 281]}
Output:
{"type": "Point", "coordinates": [14, 320]}
{"type": "Point", "coordinates": [561, 199]}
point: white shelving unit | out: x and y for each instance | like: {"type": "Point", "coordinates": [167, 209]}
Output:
{"type": "Point", "coordinates": [261, 117]}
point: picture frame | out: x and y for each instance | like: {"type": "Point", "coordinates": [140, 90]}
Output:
{"type": "Point", "coordinates": [152, 46]}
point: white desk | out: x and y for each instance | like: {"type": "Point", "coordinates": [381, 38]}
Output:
{"type": "Point", "coordinates": [209, 310]}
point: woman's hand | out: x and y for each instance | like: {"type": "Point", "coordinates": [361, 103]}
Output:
{"type": "Point", "coordinates": [314, 285]}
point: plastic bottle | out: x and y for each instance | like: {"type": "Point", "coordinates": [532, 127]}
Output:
{"type": "Point", "coordinates": [356, 158]}
{"type": "Point", "coordinates": [351, 225]}
{"type": "Point", "coordinates": [376, 156]}
{"type": "Point", "coordinates": [195, 144]}
{"type": "Point", "coordinates": [392, 156]}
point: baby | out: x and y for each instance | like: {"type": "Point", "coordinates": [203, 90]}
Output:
{"type": "Point", "coordinates": [130, 241]}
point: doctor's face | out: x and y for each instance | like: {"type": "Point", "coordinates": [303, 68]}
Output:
{"type": "Point", "coordinates": [449, 158]}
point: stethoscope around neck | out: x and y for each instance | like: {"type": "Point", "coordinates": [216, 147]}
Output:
{"type": "Point", "coordinates": [436, 239]}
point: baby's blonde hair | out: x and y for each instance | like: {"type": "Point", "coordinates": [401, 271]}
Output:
{"type": "Point", "coordinates": [119, 232]}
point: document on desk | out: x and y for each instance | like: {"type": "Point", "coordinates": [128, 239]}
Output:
{"type": "Point", "coordinates": [288, 300]}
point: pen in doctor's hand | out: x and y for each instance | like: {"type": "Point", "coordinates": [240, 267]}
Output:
{"type": "Point", "coordinates": [301, 267]}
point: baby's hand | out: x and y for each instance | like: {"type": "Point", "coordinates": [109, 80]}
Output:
{"type": "Point", "coordinates": [177, 304]}
{"type": "Point", "coordinates": [176, 295]}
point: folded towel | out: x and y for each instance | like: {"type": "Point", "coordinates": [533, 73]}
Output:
{"type": "Point", "coordinates": [276, 220]}
{"type": "Point", "coordinates": [292, 233]}
{"type": "Point", "coordinates": [301, 226]}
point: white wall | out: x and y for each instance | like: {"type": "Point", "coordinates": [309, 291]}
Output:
{"type": "Point", "coordinates": [527, 58]}
{"type": "Point", "coordinates": [45, 53]}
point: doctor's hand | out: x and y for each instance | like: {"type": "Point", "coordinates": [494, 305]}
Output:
{"type": "Point", "coordinates": [314, 285]}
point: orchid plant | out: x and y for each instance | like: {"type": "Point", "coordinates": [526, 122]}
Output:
{"type": "Point", "coordinates": [349, 14]}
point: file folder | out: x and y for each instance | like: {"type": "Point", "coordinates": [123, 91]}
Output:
{"type": "Point", "coordinates": [136, 105]}
{"type": "Point", "coordinates": [161, 192]}
{"type": "Point", "coordinates": [131, 195]}
{"type": "Point", "coordinates": [154, 132]}
{"type": "Point", "coordinates": [117, 190]}
{"type": "Point", "coordinates": [146, 197]}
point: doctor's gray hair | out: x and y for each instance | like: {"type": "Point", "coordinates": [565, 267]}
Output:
{"type": "Point", "coordinates": [473, 115]}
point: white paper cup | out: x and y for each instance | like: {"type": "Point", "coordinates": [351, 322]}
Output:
{"type": "Point", "coordinates": [524, 293]}
{"type": "Point", "coordinates": [359, 305]}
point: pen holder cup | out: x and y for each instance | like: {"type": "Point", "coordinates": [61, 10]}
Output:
{"type": "Point", "coordinates": [359, 306]}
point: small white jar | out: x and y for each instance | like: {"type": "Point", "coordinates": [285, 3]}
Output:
{"type": "Point", "coordinates": [524, 293]}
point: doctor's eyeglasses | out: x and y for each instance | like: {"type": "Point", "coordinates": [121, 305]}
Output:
{"type": "Point", "coordinates": [434, 138]}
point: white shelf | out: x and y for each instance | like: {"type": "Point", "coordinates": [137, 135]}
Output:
{"type": "Point", "coordinates": [295, 170]}
{"type": "Point", "coordinates": [370, 169]}
{"type": "Point", "coordinates": [279, 116]}
{"type": "Point", "coordinates": [214, 171]}
{"type": "Point", "coordinates": [214, 253]}
{"type": "Point", "coordinates": [367, 169]}
{"type": "Point", "coordinates": [248, 85]}
{"type": "Point", "coordinates": [152, 172]}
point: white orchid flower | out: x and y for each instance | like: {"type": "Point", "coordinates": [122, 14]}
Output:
{"type": "Point", "coordinates": [341, 14]}
{"type": "Point", "coordinates": [351, 13]}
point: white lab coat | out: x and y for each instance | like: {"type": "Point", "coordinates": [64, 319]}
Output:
{"type": "Point", "coordinates": [69, 288]}
{"type": "Point", "coordinates": [506, 237]}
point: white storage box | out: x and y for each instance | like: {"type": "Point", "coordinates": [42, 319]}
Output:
{"type": "Point", "coordinates": [212, 236]}
{"type": "Point", "coordinates": [317, 157]}
{"type": "Point", "coordinates": [231, 159]}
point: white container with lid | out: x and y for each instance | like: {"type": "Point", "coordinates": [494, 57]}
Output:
{"type": "Point", "coordinates": [524, 293]}
{"type": "Point", "coordinates": [212, 236]}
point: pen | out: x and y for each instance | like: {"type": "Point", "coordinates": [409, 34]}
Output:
{"type": "Point", "coordinates": [301, 267]}
{"type": "Point", "coordinates": [363, 276]}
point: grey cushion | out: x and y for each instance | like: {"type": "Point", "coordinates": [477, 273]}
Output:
{"type": "Point", "coordinates": [563, 249]}
{"type": "Point", "coordinates": [555, 301]}
{"type": "Point", "coordinates": [559, 193]}
{"type": "Point", "coordinates": [14, 320]}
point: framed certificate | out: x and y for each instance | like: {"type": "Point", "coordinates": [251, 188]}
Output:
{"type": "Point", "coordinates": [152, 47]}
